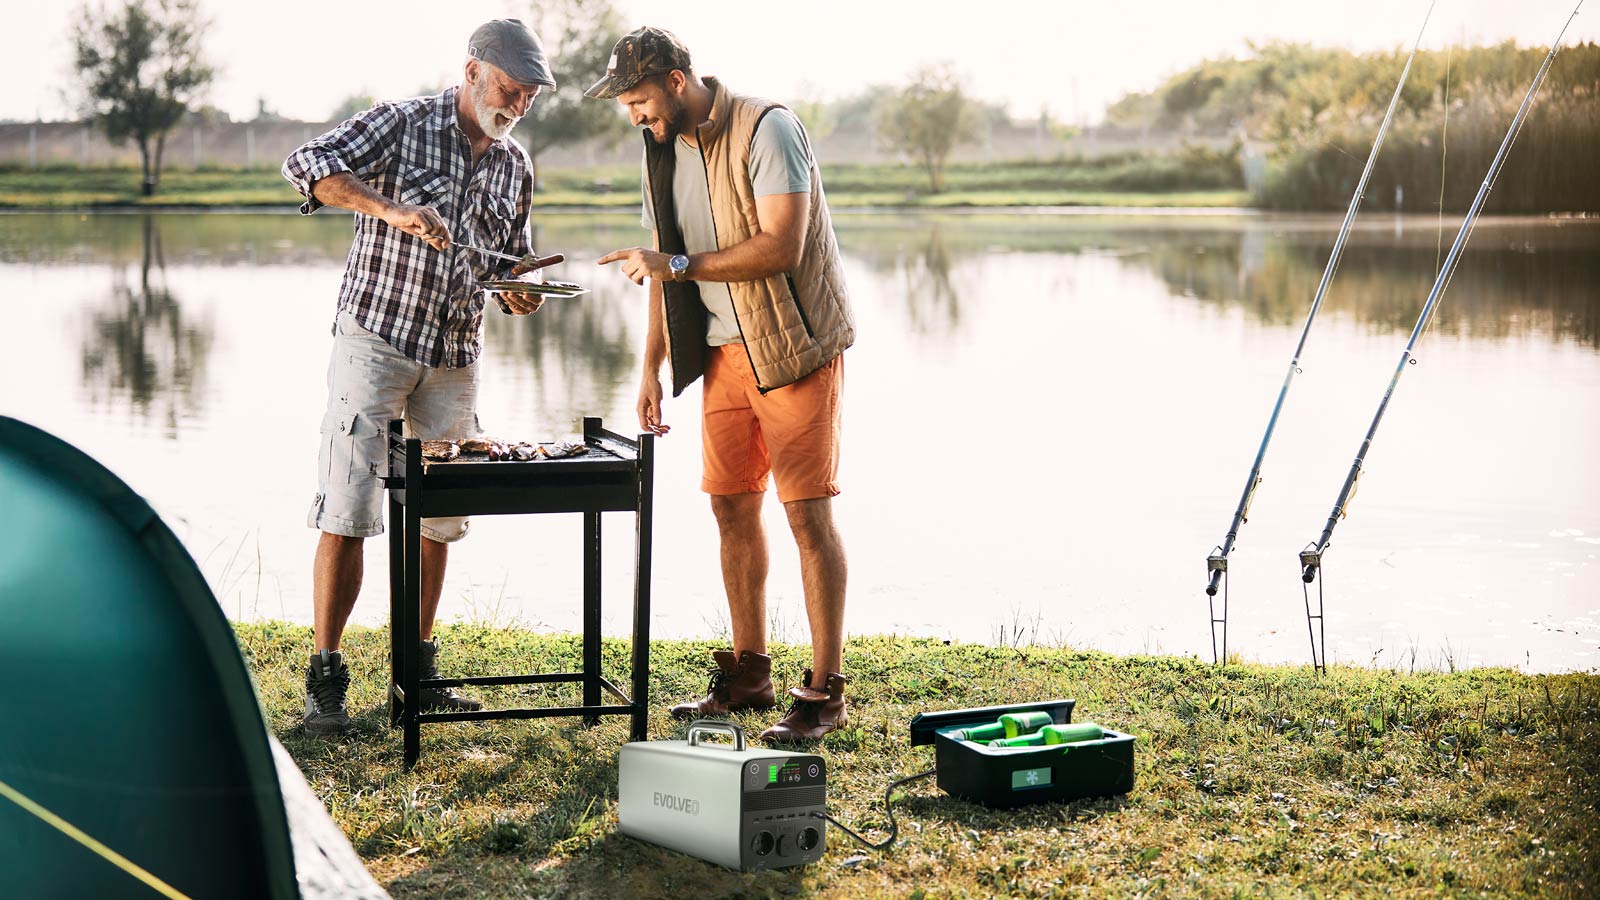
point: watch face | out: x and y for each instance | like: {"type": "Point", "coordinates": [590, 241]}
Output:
{"type": "Point", "coordinates": [678, 263]}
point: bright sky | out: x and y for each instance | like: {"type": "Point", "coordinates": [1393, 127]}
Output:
{"type": "Point", "coordinates": [1072, 56]}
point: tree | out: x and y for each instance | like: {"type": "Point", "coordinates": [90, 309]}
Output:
{"type": "Point", "coordinates": [817, 116]}
{"type": "Point", "coordinates": [927, 119]}
{"type": "Point", "coordinates": [265, 113]}
{"type": "Point", "coordinates": [578, 36]}
{"type": "Point", "coordinates": [140, 69]}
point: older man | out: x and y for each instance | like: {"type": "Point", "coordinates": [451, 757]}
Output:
{"type": "Point", "coordinates": [409, 327]}
{"type": "Point", "coordinates": [747, 289]}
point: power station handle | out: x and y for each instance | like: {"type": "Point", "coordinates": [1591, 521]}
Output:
{"type": "Point", "coordinates": [701, 726]}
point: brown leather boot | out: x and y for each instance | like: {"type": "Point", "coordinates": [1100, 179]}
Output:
{"type": "Point", "coordinates": [813, 713]}
{"type": "Point", "coordinates": [740, 682]}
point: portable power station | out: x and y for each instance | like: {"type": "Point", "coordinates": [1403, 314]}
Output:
{"type": "Point", "coordinates": [744, 809]}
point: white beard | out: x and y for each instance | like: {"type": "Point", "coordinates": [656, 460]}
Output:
{"type": "Point", "coordinates": [488, 117]}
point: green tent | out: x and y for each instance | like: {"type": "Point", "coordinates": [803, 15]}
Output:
{"type": "Point", "coordinates": [129, 727]}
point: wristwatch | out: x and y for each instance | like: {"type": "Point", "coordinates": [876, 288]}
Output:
{"type": "Point", "coordinates": [680, 267]}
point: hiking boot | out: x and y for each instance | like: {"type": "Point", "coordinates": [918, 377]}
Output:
{"type": "Point", "coordinates": [739, 683]}
{"type": "Point", "coordinates": [814, 712]}
{"type": "Point", "coordinates": [327, 682]}
{"type": "Point", "coordinates": [440, 699]}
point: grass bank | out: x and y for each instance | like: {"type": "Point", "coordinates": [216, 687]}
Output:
{"type": "Point", "coordinates": [1252, 781]}
{"type": "Point", "coordinates": [1069, 183]}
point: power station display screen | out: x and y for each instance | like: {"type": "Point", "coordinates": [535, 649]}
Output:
{"type": "Point", "coordinates": [1023, 779]}
{"type": "Point", "coordinates": [787, 772]}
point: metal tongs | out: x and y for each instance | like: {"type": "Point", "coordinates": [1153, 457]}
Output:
{"type": "Point", "coordinates": [531, 261]}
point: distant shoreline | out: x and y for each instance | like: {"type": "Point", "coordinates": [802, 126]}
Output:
{"type": "Point", "coordinates": [1015, 187]}
{"type": "Point", "coordinates": [894, 188]}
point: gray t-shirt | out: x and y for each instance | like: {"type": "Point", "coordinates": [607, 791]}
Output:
{"type": "Point", "coordinates": [779, 164]}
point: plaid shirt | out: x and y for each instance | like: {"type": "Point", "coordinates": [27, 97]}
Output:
{"type": "Point", "coordinates": [424, 302]}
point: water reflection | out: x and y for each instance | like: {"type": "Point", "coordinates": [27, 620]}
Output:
{"type": "Point", "coordinates": [139, 348]}
{"type": "Point", "coordinates": [1046, 301]}
{"type": "Point", "coordinates": [1505, 287]}
{"type": "Point", "coordinates": [1517, 278]}
{"type": "Point", "coordinates": [580, 353]}
{"type": "Point", "coordinates": [229, 240]}
{"type": "Point", "coordinates": [931, 298]}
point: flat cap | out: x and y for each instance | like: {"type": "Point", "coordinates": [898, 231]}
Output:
{"type": "Point", "coordinates": [509, 45]}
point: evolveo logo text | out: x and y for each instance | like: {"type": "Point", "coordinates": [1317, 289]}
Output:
{"type": "Point", "coordinates": [685, 805]}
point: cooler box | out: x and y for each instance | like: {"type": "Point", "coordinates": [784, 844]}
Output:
{"type": "Point", "coordinates": [1011, 777]}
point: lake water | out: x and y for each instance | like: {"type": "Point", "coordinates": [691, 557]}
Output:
{"type": "Point", "coordinates": [1048, 420]}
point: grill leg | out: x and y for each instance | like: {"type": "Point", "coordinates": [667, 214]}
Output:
{"type": "Point", "coordinates": [397, 593]}
{"type": "Point", "coordinates": [641, 589]}
{"type": "Point", "coordinates": [591, 614]}
{"type": "Point", "coordinates": [412, 615]}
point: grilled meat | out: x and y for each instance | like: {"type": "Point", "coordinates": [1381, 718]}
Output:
{"type": "Point", "coordinates": [560, 449]}
{"type": "Point", "coordinates": [440, 451]}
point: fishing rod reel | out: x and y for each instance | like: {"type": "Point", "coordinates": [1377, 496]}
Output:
{"type": "Point", "coordinates": [1310, 562]}
{"type": "Point", "coordinates": [1217, 565]}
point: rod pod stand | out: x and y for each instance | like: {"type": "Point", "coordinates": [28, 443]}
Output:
{"type": "Point", "coordinates": [1217, 565]}
{"type": "Point", "coordinates": [1310, 564]}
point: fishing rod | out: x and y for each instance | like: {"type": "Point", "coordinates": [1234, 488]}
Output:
{"type": "Point", "coordinates": [1217, 562]}
{"type": "Point", "coordinates": [1311, 557]}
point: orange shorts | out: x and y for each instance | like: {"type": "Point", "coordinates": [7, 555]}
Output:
{"type": "Point", "coordinates": [792, 432]}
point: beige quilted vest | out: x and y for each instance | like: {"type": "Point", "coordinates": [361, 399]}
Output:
{"type": "Point", "coordinates": [792, 323]}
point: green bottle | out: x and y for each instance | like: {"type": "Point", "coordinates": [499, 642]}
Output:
{"type": "Point", "coordinates": [1018, 724]}
{"type": "Point", "coordinates": [1050, 735]}
{"type": "Point", "coordinates": [1026, 740]}
{"type": "Point", "coordinates": [1072, 734]}
{"type": "Point", "coordinates": [989, 732]}
{"type": "Point", "coordinates": [1010, 725]}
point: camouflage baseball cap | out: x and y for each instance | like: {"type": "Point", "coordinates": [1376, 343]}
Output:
{"type": "Point", "coordinates": [640, 54]}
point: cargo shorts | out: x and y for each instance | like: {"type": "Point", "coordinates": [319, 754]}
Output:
{"type": "Point", "coordinates": [369, 383]}
{"type": "Point", "coordinates": [791, 433]}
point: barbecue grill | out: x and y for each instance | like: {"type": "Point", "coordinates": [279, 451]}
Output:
{"type": "Point", "coordinates": [615, 475]}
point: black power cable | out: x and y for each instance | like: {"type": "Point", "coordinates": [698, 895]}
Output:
{"type": "Point", "coordinates": [894, 827]}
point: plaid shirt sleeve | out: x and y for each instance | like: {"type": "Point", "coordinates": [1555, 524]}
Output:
{"type": "Point", "coordinates": [360, 145]}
